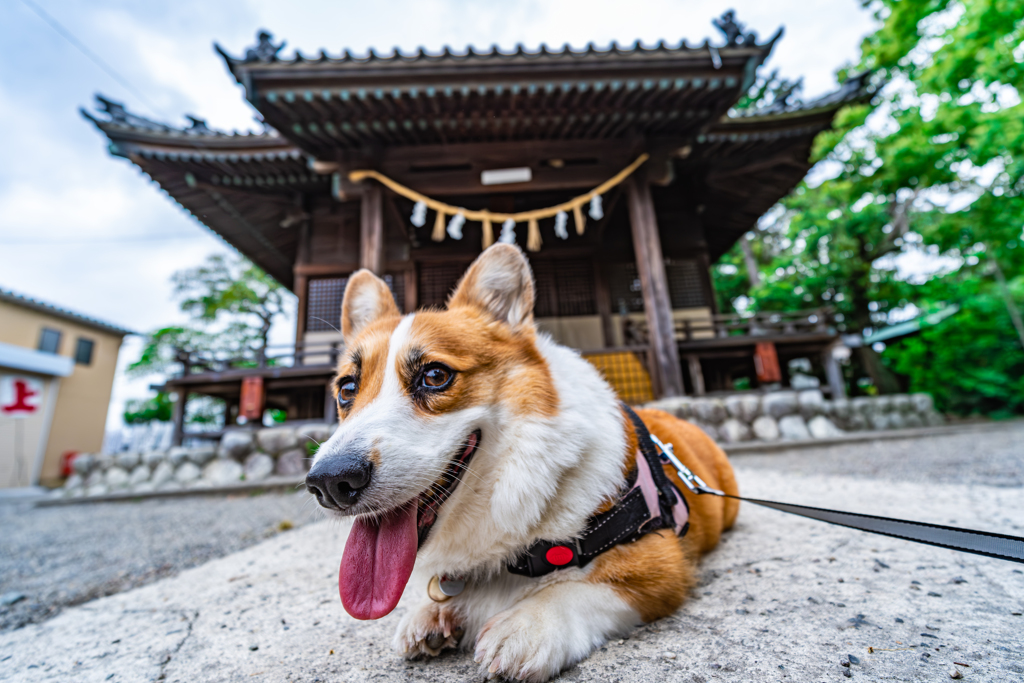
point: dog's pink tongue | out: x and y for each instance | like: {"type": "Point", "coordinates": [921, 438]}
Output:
{"type": "Point", "coordinates": [377, 562]}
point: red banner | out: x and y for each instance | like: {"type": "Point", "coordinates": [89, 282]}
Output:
{"type": "Point", "coordinates": [250, 406]}
{"type": "Point", "coordinates": [766, 362]}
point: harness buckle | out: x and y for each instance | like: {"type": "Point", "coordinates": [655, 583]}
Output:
{"type": "Point", "coordinates": [692, 481]}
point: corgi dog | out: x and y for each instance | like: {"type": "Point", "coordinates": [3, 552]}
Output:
{"type": "Point", "coordinates": [465, 438]}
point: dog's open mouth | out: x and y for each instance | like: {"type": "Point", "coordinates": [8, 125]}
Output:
{"type": "Point", "coordinates": [381, 549]}
{"type": "Point", "coordinates": [431, 500]}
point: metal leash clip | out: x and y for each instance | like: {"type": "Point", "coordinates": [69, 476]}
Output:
{"type": "Point", "coordinates": [692, 481]}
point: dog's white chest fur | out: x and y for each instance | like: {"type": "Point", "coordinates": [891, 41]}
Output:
{"type": "Point", "coordinates": [545, 477]}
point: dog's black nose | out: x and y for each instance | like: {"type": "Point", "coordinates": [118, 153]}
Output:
{"type": "Point", "coordinates": [337, 480]}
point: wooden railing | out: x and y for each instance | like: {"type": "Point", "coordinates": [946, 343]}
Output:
{"type": "Point", "coordinates": [313, 354]}
{"type": "Point", "coordinates": [762, 324]}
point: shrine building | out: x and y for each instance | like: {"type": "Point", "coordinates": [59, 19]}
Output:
{"type": "Point", "coordinates": [352, 143]}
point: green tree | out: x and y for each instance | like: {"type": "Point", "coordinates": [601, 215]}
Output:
{"type": "Point", "coordinates": [232, 305]}
{"type": "Point", "coordinates": [143, 411]}
{"type": "Point", "coordinates": [935, 164]}
{"type": "Point", "coordinates": [231, 288]}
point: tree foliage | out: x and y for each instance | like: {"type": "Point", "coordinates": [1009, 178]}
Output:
{"type": "Point", "coordinates": [933, 168]}
{"type": "Point", "coordinates": [159, 408]}
{"type": "Point", "coordinates": [232, 305]}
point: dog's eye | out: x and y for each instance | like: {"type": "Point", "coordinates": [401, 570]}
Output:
{"type": "Point", "coordinates": [347, 391]}
{"type": "Point", "coordinates": [436, 377]}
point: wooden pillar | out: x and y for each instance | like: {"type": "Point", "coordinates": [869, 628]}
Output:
{"type": "Point", "coordinates": [603, 297]}
{"type": "Point", "coordinates": [330, 404]}
{"type": "Point", "coordinates": [696, 375]}
{"type": "Point", "coordinates": [301, 288]}
{"type": "Point", "coordinates": [412, 291]}
{"type": "Point", "coordinates": [651, 266]}
{"type": "Point", "coordinates": [833, 373]}
{"type": "Point", "coordinates": [708, 283]}
{"type": "Point", "coordinates": [178, 417]}
{"type": "Point", "coordinates": [371, 230]}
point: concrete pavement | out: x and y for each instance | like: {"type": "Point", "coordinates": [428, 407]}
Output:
{"type": "Point", "coordinates": [782, 598]}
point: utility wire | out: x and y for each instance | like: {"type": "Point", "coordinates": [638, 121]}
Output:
{"type": "Point", "coordinates": [115, 240]}
{"type": "Point", "coordinates": [70, 37]}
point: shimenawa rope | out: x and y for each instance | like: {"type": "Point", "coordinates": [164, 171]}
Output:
{"type": "Point", "coordinates": [488, 218]}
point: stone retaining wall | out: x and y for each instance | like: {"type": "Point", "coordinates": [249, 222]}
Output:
{"type": "Point", "coordinates": [242, 455]}
{"type": "Point", "coordinates": [794, 415]}
{"type": "Point", "coordinates": [251, 456]}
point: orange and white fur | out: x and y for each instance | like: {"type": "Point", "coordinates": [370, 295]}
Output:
{"type": "Point", "coordinates": [555, 447]}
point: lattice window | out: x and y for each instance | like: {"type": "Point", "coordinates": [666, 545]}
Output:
{"type": "Point", "coordinates": [323, 301]}
{"type": "Point", "coordinates": [564, 287]}
{"type": "Point", "coordinates": [684, 286]}
{"type": "Point", "coordinates": [436, 282]}
{"type": "Point", "coordinates": [396, 283]}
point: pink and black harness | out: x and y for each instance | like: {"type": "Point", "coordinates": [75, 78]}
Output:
{"type": "Point", "coordinates": [648, 502]}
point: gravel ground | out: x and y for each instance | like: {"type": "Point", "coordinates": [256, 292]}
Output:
{"type": "Point", "coordinates": [61, 556]}
{"type": "Point", "coordinates": [993, 457]}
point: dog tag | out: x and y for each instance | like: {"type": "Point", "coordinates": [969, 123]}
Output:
{"type": "Point", "coordinates": [451, 587]}
{"type": "Point", "coordinates": [444, 589]}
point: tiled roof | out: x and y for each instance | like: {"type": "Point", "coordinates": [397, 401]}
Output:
{"type": "Point", "coordinates": [56, 311]}
{"type": "Point", "coordinates": [266, 52]}
{"type": "Point", "coordinates": [859, 87]}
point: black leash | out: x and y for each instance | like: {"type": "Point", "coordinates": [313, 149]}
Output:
{"type": "Point", "coordinates": [984, 543]}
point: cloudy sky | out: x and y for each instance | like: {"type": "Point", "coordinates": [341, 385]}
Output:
{"type": "Point", "coordinates": [89, 232]}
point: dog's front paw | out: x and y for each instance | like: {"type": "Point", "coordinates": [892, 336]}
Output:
{"type": "Point", "coordinates": [427, 630]}
{"type": "Point", "coordinates": [520, 644]}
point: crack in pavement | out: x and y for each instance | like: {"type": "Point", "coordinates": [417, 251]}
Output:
{"type": "Point", "coordinates": [188, 634]}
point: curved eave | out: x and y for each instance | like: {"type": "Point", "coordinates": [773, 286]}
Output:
{"type": "Point", "coordinates": [751, 162]}
{"type": "Point", "coordinates": [398, 59]}
{"type": "Point", "coordinates": [247, 218]}
{"type": "Point", "coordinates": [178, 138]}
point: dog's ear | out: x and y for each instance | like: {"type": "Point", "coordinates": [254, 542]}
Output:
{"type": "Point", "coordinates": [367, 298]}
{"type": "Point", "coordinates": [499, 283]}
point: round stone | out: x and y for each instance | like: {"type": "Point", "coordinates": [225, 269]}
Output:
{"type": "Point", "coordinates": [116, 478]}
{"type": "Point", "coordinates": [153, 458]}
{"type": "Point", "coordinates": [292, 463]}
{"type": "Point", "coordinates": [222, 472]}
{"type": "Point", "coordinates": [258, 466]}
{"type": "Point", "coordinates": [82, 463]}
{"type": "Point", "coordinates": [187, 473]}
{"type": "Point", "coordinates": [127, 460]}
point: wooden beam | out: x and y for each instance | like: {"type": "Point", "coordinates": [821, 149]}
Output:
{"type": "Point", "coordinates": [371, 230]}
{"type": "Point", "coordinates": [178, 417]}
{"type": "Point", "coordinates": [330, 404]}
{"type": "Point", "coordinates": [696, 374]}
{"type": "Point", "coordinates": [833, 372]}
{"type": "Point", "coordinates": [301, 288]}
{"type": "Point", "coordinates": [650, 265]}
{"type": "Point", "coordinates": [301, 283]}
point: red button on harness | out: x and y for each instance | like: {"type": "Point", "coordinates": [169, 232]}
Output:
{"type": "Point", "coordinates": [559, 555]}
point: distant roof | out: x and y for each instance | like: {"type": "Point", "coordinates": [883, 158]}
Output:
{"type": "Point", "coordinates": [57, 312]}
{"type": "Point", "coordinates": [347, 102]}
